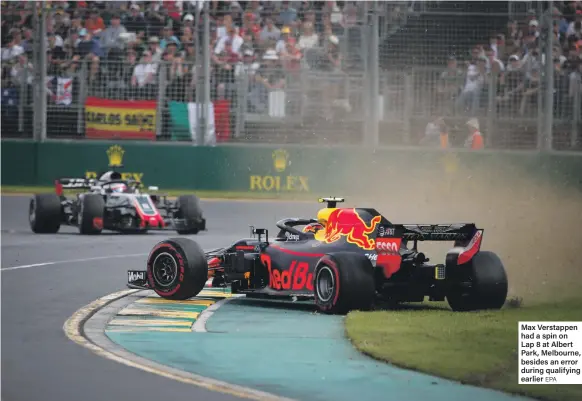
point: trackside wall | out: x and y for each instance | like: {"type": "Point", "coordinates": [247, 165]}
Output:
{"type": "Point", "coordinates": [279, 169]}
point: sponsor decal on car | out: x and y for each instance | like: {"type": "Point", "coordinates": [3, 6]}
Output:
{"type": "Point", "coordinates": [348, 223]}
{"type": "Point", "coordinates": [133, 276]}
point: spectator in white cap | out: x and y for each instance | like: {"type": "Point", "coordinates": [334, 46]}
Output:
{"type": "Point", "coordinates": [269, 77]}
{"type": "Point", "coordinates": [533, 28]}
{"type": "Point", "coordinates": [188, 21]}
{"type": "Point", "coordinates": [154, 47]}
{"type": "Point", "coordinates": [475, 139]}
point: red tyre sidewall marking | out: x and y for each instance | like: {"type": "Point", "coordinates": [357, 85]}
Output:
{"type": "Point", "coordinates": [181, 269]}
{"type": "Point", "coordinates": [333, 266]}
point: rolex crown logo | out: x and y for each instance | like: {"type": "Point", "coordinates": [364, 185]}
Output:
{"type": "Point", "coordinates": [280, 159]}
{"type": "Point", "coordinates": [115, 155]}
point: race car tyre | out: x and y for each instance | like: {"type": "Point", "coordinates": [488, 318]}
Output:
{"type": "Point", "coordinates": [489, 285]}
{"type": "Point", "coordinates": [90, 217]}
{"type": "Point", "coordinates": [44, 213]}
{"type": "Point", "coordinates": [177, 269]}
{"type": "Point", "coordinates": [344, 281]}
{"type": "Point", "coordinates": [189, 209]}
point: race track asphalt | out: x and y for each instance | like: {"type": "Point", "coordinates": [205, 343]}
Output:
{"type": "Point", "coordinates": [38, 361]}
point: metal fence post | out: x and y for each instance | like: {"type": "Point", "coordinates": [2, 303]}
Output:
{"type": "Point", "coordinates": [202, 133]}
{"type": "Point", "coordinates": [39, 103]}
{"type": "Point", "coordinates": [574, 139]}
{"type": "Point", "coordinates": [546, 138]}
{"type": "Point", "coordinates": [371, 136]}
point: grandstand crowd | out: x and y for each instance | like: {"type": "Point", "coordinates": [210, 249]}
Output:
{"type": "Point", "coordinates": [121, 43]}
{"type": "Point", "coordinates": [517, 56]}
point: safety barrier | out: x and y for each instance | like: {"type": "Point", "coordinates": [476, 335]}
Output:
{"type": "Point", "coordinates": [268, 169]}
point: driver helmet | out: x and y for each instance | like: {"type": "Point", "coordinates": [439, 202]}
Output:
{"type": "Point", "coordinates": [313, 228]}
{"type": "Point", "coordinates": [323, 215]}
{"type": "Point", "coordinates": [118, 187]}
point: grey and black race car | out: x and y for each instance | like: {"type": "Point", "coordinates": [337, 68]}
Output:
{"type": "Point", "coordinates": [346, 259]}
{"type": "Point", "coordinates": [111, 203]}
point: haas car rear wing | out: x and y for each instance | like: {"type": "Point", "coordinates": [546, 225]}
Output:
{"type": "Point", "coordinates": [73, 183]}
{"type": "Point", "coordinates": [466, 236]}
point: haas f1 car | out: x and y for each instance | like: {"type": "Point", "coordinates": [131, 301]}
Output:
{"type": "Point", "coordinates": [111, 203]}
{"type": "Point", "coordinates": [346, 259]}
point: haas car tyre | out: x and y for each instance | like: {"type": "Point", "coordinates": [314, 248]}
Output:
{"type": "Point", "coordinates": [177, 269]}
{"type": "Point", "coordinates": [90, 217]}
{"type": "Point", "coordinates": [344, 281]}
{"type": "Point", "coordinates": [488, 288]}
{"type": "Point", "coordinates": [189, 209]}
{"type": "Point", "coordinates": [44, 213]}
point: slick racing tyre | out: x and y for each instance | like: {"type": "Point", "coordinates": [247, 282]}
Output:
{"type": "Point", "coordinates": [177, 269]}
{"type": "Point", "coordinates": [90, 217]}
{"type": "Point", "coordinates": [488, 285]}
{"type": "Point", "coordinates": [44, 213]}
{"type": "Point", "coordinates": [344, 281]}
{"type": "Point", "coordinates": [189, 209]}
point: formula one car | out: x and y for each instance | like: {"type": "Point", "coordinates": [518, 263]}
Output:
{"type": "Point", "coordinates": [346, 259]}
{"type": "Point", "coordinates": [113, 204]}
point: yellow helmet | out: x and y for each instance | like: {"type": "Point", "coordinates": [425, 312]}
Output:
{"type": "Point", "coordinates": [323, 214]}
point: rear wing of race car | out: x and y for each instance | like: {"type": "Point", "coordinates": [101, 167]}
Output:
{"type": "Point", "coordinates": [466, 236]}
{"type": "Point", "coordinates": [73, 183]}
{"type": "Point", "coordinates": [460, 232]}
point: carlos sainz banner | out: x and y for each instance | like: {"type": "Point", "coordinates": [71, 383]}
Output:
{"type": "Point", "coordinates": [120, 119]}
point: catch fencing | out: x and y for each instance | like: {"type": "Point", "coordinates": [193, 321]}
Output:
{"type": "Point", "coordinates": [397, 68]}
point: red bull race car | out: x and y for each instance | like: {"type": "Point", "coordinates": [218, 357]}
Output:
{"type": "Point", "coordinates": [346, 259]}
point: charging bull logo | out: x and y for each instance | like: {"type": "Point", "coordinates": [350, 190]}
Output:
{"type": "Point", "coordinates": [348, 223]}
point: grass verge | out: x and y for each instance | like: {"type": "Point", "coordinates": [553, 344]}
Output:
{"type": "Point", "coordinates": [22, 190]}
{"type": "Point", "coordinates": [478, 348]}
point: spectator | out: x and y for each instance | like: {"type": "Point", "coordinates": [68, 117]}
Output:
{"type": "Point", "coordinates": [268, 77]}
{"type": "Point", "coordinates": [155, 18]}
{"type": "Point", "coordinates": [257, 10]}
{"type": "Point", "coordinates": [187, 35]}
{"type": "Point", "coordinates": [225, 63]}
{"type": "Point", "coordinates": [475, 139]}
{"type": "Point", "coordinates": [224, 26]}
{"type": "Point", "coordinates": [168, 36]}
{"type": "Point", "coordinates": [530, 94]}
{"type": "Point", "coordinates": [57, 55]}
{"type": "Point", "coordinates": [270, 31]}
{"type": "Point", "coordinates": [136, 23]}
{"type": "Point", "coordinates": [250, 27]}
{"type": "Point", "coordinates": [291, 56]}
{"type": "Point", "coordinates": [235, 40]}
{"type": "Point", "coordinates": [512, 85]}
{"type": "Point", "coordinates": [144, 77]}
{"type": "Point", "coordinates": [450, 83]}
{"type": "Point", "coordinates": [574, 26]}
{"type": "Point", "coordinates": [154, 48]}
{"type": "Point", "coordinates": [575, 83]}
{"type": "Point", "coordinates": [89, 50]}
{"type": "Point", "coordinates": [95, 24]}
{"type": "Point", "coordinates": [309, 38]}
{"type": "Point", "coordinates": [436, 134]}
{"type": "Point", "coordinates": [27, 40]}
{"type": "Point", "coordinates": [469, 98]}
{"type": "Point", "coordinates": [248, 65]}
{"type": "Point", "coordinates": [22, 72]}
{"type": "Point", "coordinates": [281, 46]}
{"type": "Point", "coordinates": [533, 29]}
{"type": "Point", "coordinates": [111, 41]}
{"type": "Point", "coordinates": [493, 61]}
{"type": "Point", "coordinates": [287, 15]}
{"type": "Point", "coordinates": [13, 49]}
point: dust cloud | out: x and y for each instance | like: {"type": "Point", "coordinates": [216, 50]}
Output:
{"type": "Point", "coordinates": [534, 227]}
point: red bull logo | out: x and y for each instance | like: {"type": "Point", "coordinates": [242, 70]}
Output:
{"type": "Point", "coordinates": [348, 223]}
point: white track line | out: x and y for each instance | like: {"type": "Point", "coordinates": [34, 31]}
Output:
{"type": "Point", "coordinates": [72, 261]}
{"type": "Point", "coordinates": [199, 325]}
